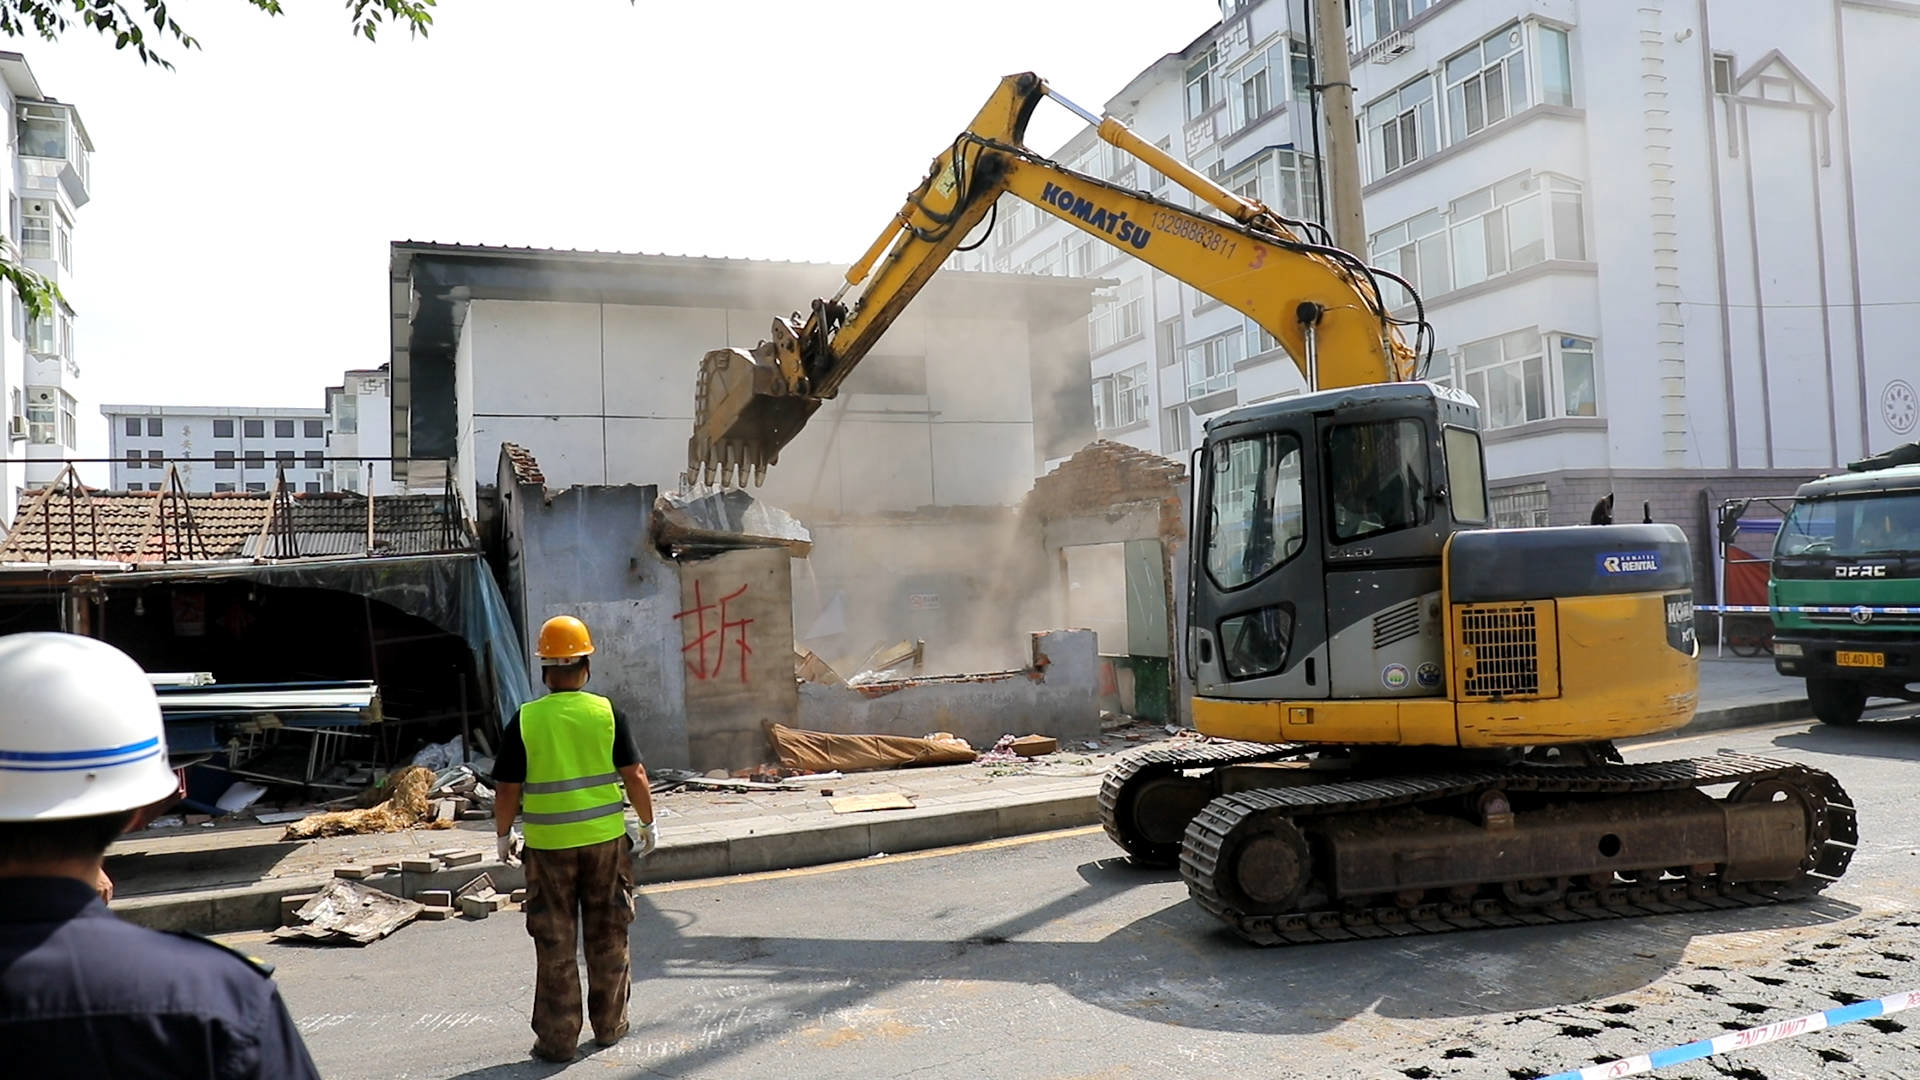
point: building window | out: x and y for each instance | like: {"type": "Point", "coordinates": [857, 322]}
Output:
{"type": "Point", "coordinates": [133, 459]}
{"type": "Point", "coordinates": [1157, 180]}
{"type": "Point", "coordinates": [1282, 179]}
{"type": "Point", "coordinates": [1579, 393]}
{"type": "Point", "coordinates": [36, 231]}
{"type": "Point", "coordinates": [223, 459]}
{"type": "Point", "coordinates": [1200, 84]}
{"type": "Point", "coordinates": [1301, 69]}
{"type": "Point", "coordinates": [155, 428]}
{"type": "Point", "coordinates": [223, 429]}
{"type": "Point", "coordinates": [254, 429]}
{"type": "Point", "coordinates": [69, 421]}
{"type": "Point", "coordinates": [283, 429]}
{"type": "Point", "coordinates": [255, 485]}
{"type": "Point", "coordinates": [1507, 375]}
{"type": "Point", "coordinates": [313, 459]}
{"type": "Point", "coordinates": [1259, 342]}
{"type": "Point", "coordinates": [44, 336]}
{"type": "Point", "coordinates": [256, 459]}
{"type": "Point", "coordinates": [132, 426]}
{"type": "Point", "coordinates": [1723, 73]}
{"type": "Point", "coordinates": [1166, 343]}
{"type": "Point", "coordinates": [1556, 66]}
{"type": "Point", "coordinates": [1252, 91]}
{"type": "Point", "coordinates": [1120, 319]}
{"type": "Point", "coordinates": [65, 233]}
{"type": "Point", "coordinates": [1520, 507]}
{"type": "Point", "coordinates": [222, 487]}
{"type": "Point", "coordinates": [283, 458]}
{"type": "Point", "coordinates": [1120, 400]}
{"type": "Point", "coordinates": [314, 429]}
{"type": "Point", "coordinates": [1486, 84]}
{"type": "Point", "coordinates": [1173, 431]}
{"type": "Point", "coordinates": [313, 487]}
{"type": "Point", "coordinates": [1210, 364]}
{"type": "Point", "coordinates": [1416, 249]}
{"type": "Point", "coordinates": [1402, 128]}
{"type": "Point", "coordinates": [1508, 227]}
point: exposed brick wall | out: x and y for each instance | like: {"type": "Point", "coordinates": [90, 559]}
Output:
{"type": "Point", "coordinates": [1103, 475]}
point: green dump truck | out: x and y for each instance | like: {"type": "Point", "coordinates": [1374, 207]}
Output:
{"type": "Point", "coordinates": [1845, 586]}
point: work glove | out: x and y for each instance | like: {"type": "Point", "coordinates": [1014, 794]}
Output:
{"type": "Point", "coordinates": [508, 846]}
{"type": "Point", "coordinates": [643, 837]}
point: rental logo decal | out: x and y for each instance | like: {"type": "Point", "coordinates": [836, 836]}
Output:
{"type": "Point", "coordinates": [1113, 224]}
{"type": "Point", "coordinates": [1394, 676]}
{"type": "Point", "coordinates": [1636, 562]}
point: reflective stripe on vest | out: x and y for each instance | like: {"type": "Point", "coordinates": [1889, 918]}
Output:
{"type": "Point", "coordinates": [572, 796]}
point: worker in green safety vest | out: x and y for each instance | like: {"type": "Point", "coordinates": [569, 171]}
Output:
{"type": "Point", "coordinates": [562, 765]}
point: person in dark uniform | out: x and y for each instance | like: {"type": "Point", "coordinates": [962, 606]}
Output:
{"type": "Point", "coordinates": [564, 761]}
{"type": "Point", "coordinates": [83, 994]}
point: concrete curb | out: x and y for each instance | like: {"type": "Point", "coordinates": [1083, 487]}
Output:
{"type": "Point", "coordinates": [709, 852]}
{"type": "Point", "coordinates": [959, 821]}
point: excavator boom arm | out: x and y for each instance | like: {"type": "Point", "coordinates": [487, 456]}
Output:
{"type": "Point", "coordinates": [1322, 304]}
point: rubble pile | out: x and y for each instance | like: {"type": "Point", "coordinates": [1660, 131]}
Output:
{"type": "Point", "coordinates": [408, 806]}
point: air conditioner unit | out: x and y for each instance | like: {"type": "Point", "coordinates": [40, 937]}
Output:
{"type": "Point", "coordinates": [1389, 48]}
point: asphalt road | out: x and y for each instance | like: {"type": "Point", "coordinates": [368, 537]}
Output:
{"type": "Point", "coordinates": [1049, 957]}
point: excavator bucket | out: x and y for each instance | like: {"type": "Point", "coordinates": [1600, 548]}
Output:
{"type": "Point", "coordinates": [743, 414]}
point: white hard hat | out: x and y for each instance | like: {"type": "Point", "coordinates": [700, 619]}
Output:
{"type": "Point", "coordinates": [80, 731]}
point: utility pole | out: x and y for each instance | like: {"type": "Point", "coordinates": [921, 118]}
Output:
{"type": "Point", "coordinates": [1342, 166]}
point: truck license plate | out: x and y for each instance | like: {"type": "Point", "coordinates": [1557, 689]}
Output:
{"type": "Point", "coordinates": [1860, 659]}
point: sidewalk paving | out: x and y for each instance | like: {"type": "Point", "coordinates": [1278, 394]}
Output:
{"type": "Point", "coordinates": [224, 878]}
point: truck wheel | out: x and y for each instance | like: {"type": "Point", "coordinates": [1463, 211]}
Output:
{"type": "Point", "coordinates": [1836, 701]}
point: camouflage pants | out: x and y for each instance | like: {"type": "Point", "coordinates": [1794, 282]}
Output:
{"type": "Point", "coordinates": [584, 891]}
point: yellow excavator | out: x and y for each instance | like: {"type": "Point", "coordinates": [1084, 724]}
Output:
{"type": "Point", "coordinates": [1410, 714]}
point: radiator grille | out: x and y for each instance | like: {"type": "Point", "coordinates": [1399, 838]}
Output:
{"type": "Point", "coordinates": [1503, 647]}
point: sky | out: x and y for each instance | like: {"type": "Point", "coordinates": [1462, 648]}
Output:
{"type": "Point", "coordinates": [235, 248]}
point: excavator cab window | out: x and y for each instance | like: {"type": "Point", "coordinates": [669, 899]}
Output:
{"type": "Point", "coordinates": [1379, 476]}
{"type": "Point", "coordinates": [1255, 507]}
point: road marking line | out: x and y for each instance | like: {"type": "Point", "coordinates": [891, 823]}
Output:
{"type": "Point", "coordinates": [881, 860]}
{"type": "Point", "coordinates": [1744, 1040]}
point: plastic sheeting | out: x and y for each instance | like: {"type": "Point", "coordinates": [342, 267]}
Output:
{"type": "Point", "coordinates": [819, 751]}
{"type": "Point", "coordinates": [457, 593]}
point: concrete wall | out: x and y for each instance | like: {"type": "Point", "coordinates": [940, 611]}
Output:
{"type": "Point", "coordinates": [1058, 700]}
{"type": "Point", "coordinates": [735, 624]}
{"type": "Point", "coordinates": [585, 552]}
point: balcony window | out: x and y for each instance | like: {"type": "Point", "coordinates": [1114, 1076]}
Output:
{"type": "Point", "coordinates": [1486, 84]}
{"type": "Point", "coordinates": [346, 415]}
{"type": "Point", "coordinates": [1300, 67]}
{"type": "Point", "coordinates": [69, 421]}
{"type": "Point", "coordinates": [1252, 92]}
{"type": "Point", "coordinates": [1375, 19]}
{"type": "Point", "coordinates": [1120, 400]}
{"type": "Point", "coordinates": [1507, 375]}
{"type": "Point", "coordinates": [66, 246]}
{"type": "Point", "coordinates": [1416, 249]}
{"type": "Point", "coordinates": [1173, 431]}
{"type": "Point", "coordinates": [1579, 395]}
{"type": "Point", "coordinates": [1259, 342]}
{"type": "Point", "coordinates": [43, 336]}
{"type": "Point", "coordinates": [36, 231]}
{"type": "Point", "coordinates": [1402, 127]}
{"type": "Point", "coordinates": [43, 417]}
{"type": "Point", "coordinates": [1120, 320]}
{"type": "Point", "coordinates": [1556, 69]}
{"type": "Point", "coordinates": [1210, 364]}
{"type": "Point", "coordinates": [43, 132]}
{"type": "Point", "coordinates": [1200, 84]}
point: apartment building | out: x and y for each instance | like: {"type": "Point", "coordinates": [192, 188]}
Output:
{"type": "Point", "coordinates": [360, 422]}
{"type": "Point", "coordinates": [1664, 244]}
{"type": "Point", "coordinates": [48, 174]}
{"type": "Point", "coordinates": [218, 449]}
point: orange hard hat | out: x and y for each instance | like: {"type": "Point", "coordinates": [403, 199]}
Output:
{"type": "Point", "coordinates": [564, 637]}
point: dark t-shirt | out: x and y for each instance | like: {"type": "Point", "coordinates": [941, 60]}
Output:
{"type": "Point", "coordinates": [511, 766]}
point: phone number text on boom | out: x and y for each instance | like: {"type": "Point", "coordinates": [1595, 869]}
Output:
{"type": "Point", "coordinates": [1189, 229]}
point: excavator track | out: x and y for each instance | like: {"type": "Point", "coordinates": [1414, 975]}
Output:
{"type": "Point", "coordinates": [1832, 834]}
{"type": "Point", "coordinates": [1123, 783]}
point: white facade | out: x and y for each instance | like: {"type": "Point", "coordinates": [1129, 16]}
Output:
{"type": "Point", "coordinates": [46, 180]}
{"type": "Point", "coordinates": [217, 449]}
{"type": "Point", "coordinates": [1670, 237]}
{"type": "Point", "coordinates": [360, 422]}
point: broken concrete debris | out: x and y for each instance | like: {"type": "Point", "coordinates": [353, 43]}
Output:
{"type": "Point", "coordinates": [348, 913]}
{"type": "Point", "coordinates": [703, 522]}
